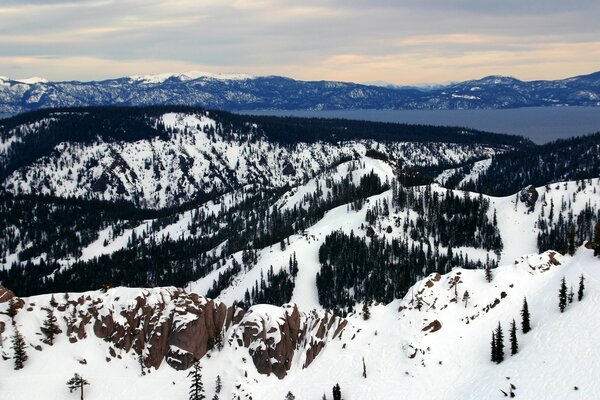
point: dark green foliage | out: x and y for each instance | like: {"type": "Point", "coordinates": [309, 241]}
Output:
{"type": "Point", "coordinates": [525, 318]}
{"type": "Point", "coordinates": [18, 347]}
{"type": "Point", "coordinates": [514, 345]}
{"type": "Point", "coordinates": [276, 290]}
{"type": "Point", "coordinates": [365, 311]}
{"type": "Point", "coordinates": [196, 386]}
{"type": "Point", "coordinates": [251, 223]}
{"type": "Point", "coordinates": [562, 230]}
{"type": "Point", "coordinates": [571, 240]}
{"type": "Point", "coordinates": [77, 382]}
{"type": "Point", "coordinates": [50, 327]}
{"type": "Point", "coordinates": [290, 396]}
{"type": "Point", "coordinates": [581, 288]}
{"type": "Point", "coordinates": [494, 348]}
{"type": "Point", "coordinates": [337, 392]}
{"type": "Point", "coordinates": [562, 295]}
{"type": "Point", "coordinates": [561, 160]}
{"type": "Point", "coordinates": [499, 344]}
{"type": "Point", "coordinates": [224, 280]}
{"type": "Point", "coordinates": [356, 270]}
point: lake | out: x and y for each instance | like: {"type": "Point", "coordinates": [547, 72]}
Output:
{"type": "Point", "coordinates": [540, 124]}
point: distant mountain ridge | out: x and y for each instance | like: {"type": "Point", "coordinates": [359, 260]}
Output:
{"type": "Point", "coordinates": [245, 92]}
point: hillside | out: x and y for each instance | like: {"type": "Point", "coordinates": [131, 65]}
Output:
{"type": "Point", "coordinates": [400, 353]}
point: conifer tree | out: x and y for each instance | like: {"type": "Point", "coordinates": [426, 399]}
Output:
{"type": "Point", "coordinates": [597, 239]}
{"type": "Point", "coordinates": [290, 396]}
{"type": "Point", "coordinates": [571, 240]}
{"type": "Point", "coordinates": [366, 312]}
{"type": "Point", "coordinates": [196, 386]}
{"type": "Point", "coordinates": [571, 295]}
{"type": "Point", "coordinates": [18, 346]}
{"type": "Point", "coordinates": [77, 383]}
{"type": "Point", "coordinates": [50, 327]}
{"type": "Point", "coordinates": [562, 295]}
{"type": "Point", "coordinates": [466, 298]}
{"type": "Point", "coordinates": [525, 322]}
{"type": "Point", "coordinates": [493, 348]}
{"type": "Point", "coordinates": [581, 288]}
{"type": "Point", "coordinates": [514, 346]}
{"type": "Point", "coordinates": [337, 392]}
{"type": "Point", "coordinates": [499, 344]}
{"type": "Point", "coordinates": [488, 274]}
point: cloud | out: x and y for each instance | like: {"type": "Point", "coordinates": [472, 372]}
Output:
{"type": "Point", "coordinates": [401, 41]}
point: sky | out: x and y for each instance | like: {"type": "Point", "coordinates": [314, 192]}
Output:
{"type": "Point", "coordinates": [403, 42]}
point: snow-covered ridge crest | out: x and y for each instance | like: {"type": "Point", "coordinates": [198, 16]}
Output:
{"type": "Point", "coordinates": [190, 75]}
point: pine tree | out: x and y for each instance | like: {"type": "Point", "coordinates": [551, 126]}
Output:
{"type": "Point", "coordinates": [364, 368]}
{"type": "Point", "coordinates": [571, 295]}
{"type": "Point", "coordinates": [218, 385]}
{"type": "Point", "coordinates": [499, 344]}
{"type": "Point", "coordinates": [494, 348]}
{"type": "Point", "coordinates": [77, 383]}
{"type": "Point", "coordinates": [514, 346]}
{"type": "Point", "coordinates": [488, 274]}
{"type": "Point", "coordinates": [597, 239]}
{"type": "Point", "coordinates": [581, 288]}
{"type": "Point", "coordinates": [366, 312]}
{"type": "Point", "coordinates": [196, 387]}
{"type": "Point", "coordinates": [50, 327]}
{"type": "Point", "coordinates": [466, 298]}
{"type": "Point", "coordinates": [571, 240]}
{"type": "Point", "coordinates": [525, 323]}
{"type": "Point", "coordinates": [290, 396]}
{"type": "Point", "coordinates": [337, 392]}
{"type": "Point", "coordinates": [562, 295]}
{"type": "Point", "coordinates": [18, 346]}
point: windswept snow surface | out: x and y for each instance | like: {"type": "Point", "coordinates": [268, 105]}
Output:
{"type": "Point", "coordinates": [401, 358]}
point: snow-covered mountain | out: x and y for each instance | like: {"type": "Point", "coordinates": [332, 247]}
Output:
{"type": "Point", "coordinates": [187, 155]}
{"type": "Point", "coordinates": [292, 255]}
{"type": "Point", "coordinates": [245, 92]}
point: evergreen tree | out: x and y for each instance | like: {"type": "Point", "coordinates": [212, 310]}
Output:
{"type": "Point", "coordinates": [562, 295]}
{"type": "Point", "coordinates": [514, 346]}
{"type": "Point", "coordinates": [466, 298]}
{"type": "Point", "coordinates": [196, 387]}
{"type": "Point", "coordinates": [494, 348]}
{"type": "Point", "coordinates": [337, 392]}
{"type": "Point", "coordinates": [290, 396]}
{"type": "Point", "coordinates": [571, 295]}
{"type": "Point", "coordinates": [488, 274]}
{"type": "Point", "coordinates": [18, 346]}
{"type": "Point", "coordinates": [77, 383]}
{"type": "Point", "coordinates": [499, 344]}
{"type": "Point", "coordinates": [597, 239]}
{"type": "Point", "coordinates": [525, 322]}
{"type": "Point", "coordinates": [50, 327]}
{"type": "Point", "coordinates": [581, 288]}
{"type": "Point", "coordinates": [366, 312]}
{"type": "Point", "coordinates": [571, 240]}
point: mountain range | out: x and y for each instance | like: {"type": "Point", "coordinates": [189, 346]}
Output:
{"type": "Point", "coordinates": [245, 92]}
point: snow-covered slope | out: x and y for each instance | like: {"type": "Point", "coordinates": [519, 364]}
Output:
{"type": "Point", "coordinates": [438, 351]}
{"type": "Point", "coordinates": [195, 162]}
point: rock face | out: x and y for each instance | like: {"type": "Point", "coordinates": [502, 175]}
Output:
{"type": "Point", "coordinates": [171, 325]}
{"type": "Point", "coordinates": [529, 196]}
{"type": "Point", "coordinates": [273, 334]}
{"type": "Point", "coordinates": [5, 294]}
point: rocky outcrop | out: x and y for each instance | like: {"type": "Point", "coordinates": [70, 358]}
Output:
{"type": "Point", "coordinates": [5, 294]}
{"type": "Point", "coordinates": [173, 326]}
{"type": "Point", "coordinates": [529, 196]}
